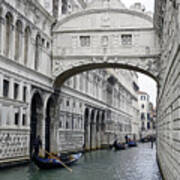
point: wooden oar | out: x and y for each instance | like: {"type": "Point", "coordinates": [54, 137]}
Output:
{"type": "Point", "coordinates": [58, 160]}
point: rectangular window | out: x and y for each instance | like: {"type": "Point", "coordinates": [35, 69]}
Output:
{"type": "Point", "coordinates": [85, 41]}
{"type": "Point", "coordinates": [126, 39]}
{"type": "Point", "coordinates": [16, 90]}
{"type": "Point", "coordinates": [5, 88]}
{"type": "Point", "coordinates": [24, 93]}
{"type": "Point", "coordinates": [16, 120]}
{"type": "Point", "coordinates": [24, 120]}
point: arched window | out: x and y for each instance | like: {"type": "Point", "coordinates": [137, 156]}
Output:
{"type": "Point", "coordinates": [26, 44]}
{"type": "Point", "coordinates": [8, 27]}
{"type": "Point", "coordinates": [18, 37]}
{"type": "Point", "coordinates": [37, 45]}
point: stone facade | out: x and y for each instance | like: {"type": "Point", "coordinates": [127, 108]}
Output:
{"type": "Point", "coordinates": [96, 107]}
{"type": "Point", "coordinates": [30, 105]}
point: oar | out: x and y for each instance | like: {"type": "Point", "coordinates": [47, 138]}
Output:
{"type": "Point", "coordinates": [59, 160]}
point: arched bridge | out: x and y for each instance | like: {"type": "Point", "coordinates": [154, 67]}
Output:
{"type": "Point", "coordinates": [104, 37]}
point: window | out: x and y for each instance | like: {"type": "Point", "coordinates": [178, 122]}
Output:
{"type": "Point", "coordinates": [24, 120]}
{"type": "Point", "coordinates": [18, 36]}
{"type": "Point", "coordinates": [16, 90]}
{"type": "Point", "coordinates": [148, 125]}
{"type": "Point", "coordinates": [26, 44]}
{"type": "Point", "coordinates": [85, 41]}
{"type": "Point", "coordinates": [142, 116]}
{"type": "Point", "coordinates": [126, 39]}
{"type": "Point", "coordinates": [37, 49]}
{"type": "Point", "coordinates": [67, 125]}
{"type": "Point", "coordinates": [9, 20]}
{"type": "Point", "coordinates": [16, 121]}
{"type": "Point", "coordinates": [24, 93]}
{"type": "Point", "coordinates": [60, 124]}
{"type": "Point", "coordinates": [5, 88]}
{"type": "Point", "coordinates": [67, 103]}
{"type": "Point", "coordinates": [142, 106]}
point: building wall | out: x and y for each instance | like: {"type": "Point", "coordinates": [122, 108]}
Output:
{"type": "Point", "coordinates": [26, 77]}
{"type": "Point", "coordinates": [168, 122]}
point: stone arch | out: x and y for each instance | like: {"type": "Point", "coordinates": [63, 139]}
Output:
{"type": "Point", "coordinates": [18, 39]}
{"type": "Point", "coordinates": [36, 118]}
{"type": "Point", "coordinates": [8, 31]}
{"type": "Point", "coordinates": [27, 34]}
{"type": "Point", "coordinates": [51, 125]}
{"type": "Point", "coordinates": [148, 68]}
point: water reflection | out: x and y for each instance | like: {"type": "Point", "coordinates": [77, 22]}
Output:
{"type": "Point", "coordinates": [132, 164]}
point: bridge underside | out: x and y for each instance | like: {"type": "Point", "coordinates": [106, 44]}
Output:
{"type": "Point", "coordinates": [64, 68]}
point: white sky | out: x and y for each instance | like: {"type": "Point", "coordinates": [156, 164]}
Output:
{"type": "Point", "coordinates": [149, 4]}
{"type": "Point", "coordinates": [146, 83]}
{"type": "Point", "coordinates": [149, 86]}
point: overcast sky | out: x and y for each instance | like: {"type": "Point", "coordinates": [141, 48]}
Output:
{"type": "Point", "coordinates": [146, 83]}
{"type": "Point", "coordinates": [149, 4]}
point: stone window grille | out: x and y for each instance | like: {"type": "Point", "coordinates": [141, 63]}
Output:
{"type": "Point", "coordinates": [5, 88]}
{"type": "Point", "coordinates": [85, 41]}
{"type": "Point", "coordinates": [126, 39]}
{"type": "Point", "coordinates": [16, 90]}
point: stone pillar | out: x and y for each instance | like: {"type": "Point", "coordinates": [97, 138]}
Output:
{"type": "Point", "coordinates": [93, 124]}
{"type": "Point", "coordinates": [1, 87]}
{"type": "Point", "coordinates": [98, 144]}
{"type": "Point", "coordinates": [11, 88]}
{"type": "Point", "coordinates": [87, 136]}
{"type": "Point", "coordinates": [20, 96]}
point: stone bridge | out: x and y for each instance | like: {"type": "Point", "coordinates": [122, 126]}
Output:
{"type": "Point", "coordinates": [104, 37]}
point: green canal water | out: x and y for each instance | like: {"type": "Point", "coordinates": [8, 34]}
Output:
{"type": "Point", "coordinates": [132, 164]}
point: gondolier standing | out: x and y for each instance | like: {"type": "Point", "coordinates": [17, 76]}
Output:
{"type": "Point", "coordinates": [37, 144]}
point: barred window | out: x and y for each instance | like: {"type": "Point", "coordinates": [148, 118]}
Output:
{"type": "Point", "coordinates": [126, 39]}
{"type": "Point", "coordinates": [85, 41]}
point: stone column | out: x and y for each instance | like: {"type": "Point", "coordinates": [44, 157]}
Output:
{"type": "Point", "coordinates": [11, 88]}
{"type": "Point", "coordinates": [98, 144]}
{"type": "Point", "coordinates": [20, 96]}
{"type": "Point", "coordinates": [87, 136]}
{"type": "Point", "coordinates": [1, 82]}
{"type": "Point", "coordinates": [93, 124]}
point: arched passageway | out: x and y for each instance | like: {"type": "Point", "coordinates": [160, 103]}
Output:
{"type": "Point", "coordinates": [36, 118]}
{"type": "Point", "coordinates": [50, 129]}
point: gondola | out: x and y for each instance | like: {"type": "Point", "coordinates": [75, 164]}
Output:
{"type": "Point", "coordinates": [119, 146]}
{"type": "Point", "coordinates": [132, 144]}
{"type": "Point", "coordinates": [52, 163]}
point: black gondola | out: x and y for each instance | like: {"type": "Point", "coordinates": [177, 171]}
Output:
{"type": "Point", "coordinates": [51, 163]}
{"type": "Point", "coordinates": [132, 144]}
{"type": "Point", "coordinates": [119, 146]}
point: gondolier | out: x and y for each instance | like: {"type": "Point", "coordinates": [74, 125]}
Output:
{"type": "Point", "coordinates": [37, 144]}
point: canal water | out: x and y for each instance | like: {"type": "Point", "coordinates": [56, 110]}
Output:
{"type": "Point", "coordinates": [137, 163]}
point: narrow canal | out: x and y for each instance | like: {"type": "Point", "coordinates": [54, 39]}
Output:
{"type": "Point", "coordinates": [132, 164]}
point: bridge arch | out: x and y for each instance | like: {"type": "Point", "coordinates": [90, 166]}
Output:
{"type": "Point", "coordinates": [105, 38]}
